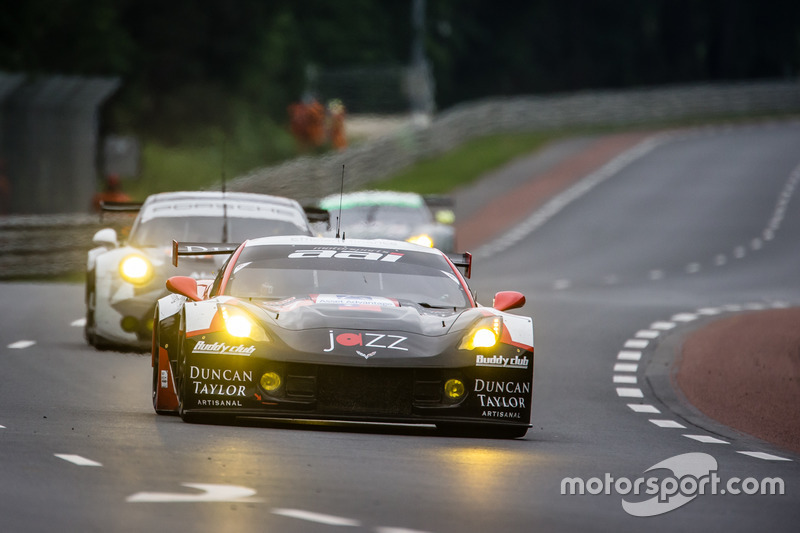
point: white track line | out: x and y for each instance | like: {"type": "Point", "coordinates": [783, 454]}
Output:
{"type": "Point", "coordinates": [667, 423]}
{"type": "Point", "coordinates": [629, 355]}
{"type": "Point", "coordinates": [20, 345]}
{"type": "Point", "coordinates": [765, 456]}
{"type": "Point", "coordinates": [77, 459]}
{"type": "Point", "coordinates": [706, 439]}
{"type": "Point", "coordinates": [643, 408]}
{"type": "Point", "coordinates": [662, 326]}
{"type": "Point", "coordinates": [636, 343]}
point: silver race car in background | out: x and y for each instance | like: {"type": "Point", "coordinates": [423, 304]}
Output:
{"type": "Point", "coordinates": [403, 216]}
{"type": "Point", "coordinates": [124, 279]}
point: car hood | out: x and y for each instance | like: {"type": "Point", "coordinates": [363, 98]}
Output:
{"type": "Point", "coordinates": [396, 335]}
{"type": "Point", "coordinates": [369, 314]}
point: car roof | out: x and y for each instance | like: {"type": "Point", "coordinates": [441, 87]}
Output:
{"type": "Point", "coordinates": [366, 198]}
{"type": "Point", "coordinates": [218, 195]}
{"type": "Point", "coordinates": [210, 203]}
{"type": "Point", "coordinates": [376, 244]}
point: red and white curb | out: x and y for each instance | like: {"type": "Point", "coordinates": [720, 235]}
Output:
{"type": "Point", "coordinates": [626, 367]}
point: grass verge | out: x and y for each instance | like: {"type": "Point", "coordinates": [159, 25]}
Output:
{"type": "Point", "coordinates": [466, 163]}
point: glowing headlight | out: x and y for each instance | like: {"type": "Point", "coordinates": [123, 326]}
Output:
{"type": "Point", "coordinates": [484, 338]}
{"type": "Point", "coordinates": [270, 381]}
{"type": "Point", "coordinates": [454, 389]}
{"type": "Point", "coordinates": [136, 269]}
{"type": "Point", "coordinates": [485, 335]}
{"type": "Point", "coordinates": [238, 324]}
{"type": "Point", "coordinates": [422, 240]}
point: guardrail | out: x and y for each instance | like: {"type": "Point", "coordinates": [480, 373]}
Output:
{"type": "Point", "coordinates": [47, 245]}
{"type": "Point", "coordinates": [389, 154]}
{"type": "Point", "coordinates": [57, 244]}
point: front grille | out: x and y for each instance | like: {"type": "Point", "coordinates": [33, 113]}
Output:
{"type": "Point", "coordinates": [384, 391]}
{"type": "Point", "coordinates": [300, 386]}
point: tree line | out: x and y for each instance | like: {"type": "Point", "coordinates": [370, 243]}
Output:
{"type": "Point", "coordinates": [190, 63]}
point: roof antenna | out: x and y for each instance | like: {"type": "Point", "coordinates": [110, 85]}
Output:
{"type": "Point", "coordinates": [339, 218]}
{"type": "Point", "coordinates": [224, 204]}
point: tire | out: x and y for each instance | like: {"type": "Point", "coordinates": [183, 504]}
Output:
{"type": "Point", "coordinates": [156, 384]}
{"type": "Point", "coordinates": [90, 328]}
{"type": "Point", "coordinates": [183, 387]}
{"type": "Point", "coordinates": [156, 373]}
{"type": "Point", "coordinates": [91, 299]}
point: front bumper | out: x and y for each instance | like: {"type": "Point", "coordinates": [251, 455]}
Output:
{"type": "Point", "coordinates": [231, 385]}
{"type": "Point", "coordinates": [124, 315]}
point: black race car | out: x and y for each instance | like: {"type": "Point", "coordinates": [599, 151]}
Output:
{"type": "Point", "coordinates": [329, 329]}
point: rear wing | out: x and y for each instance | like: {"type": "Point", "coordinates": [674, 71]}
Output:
{"type": "Point", "coordinates": [317, 214]}
{"type": "Point", "coordinates": [121, 206]}
{"type": "Point", "coordinates": [201, 248]}
{"type": "Point", "coordinates": [462, 261]}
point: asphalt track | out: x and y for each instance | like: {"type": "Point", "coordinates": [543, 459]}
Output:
{"type": "Point", "coordinates": [673, 232]}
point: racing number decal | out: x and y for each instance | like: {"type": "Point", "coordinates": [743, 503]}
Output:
{"type": "Point", "coordinates": [391, 257]}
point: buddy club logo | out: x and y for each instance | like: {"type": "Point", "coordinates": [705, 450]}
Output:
{"type": "Point", "coordinates": [367, 341]}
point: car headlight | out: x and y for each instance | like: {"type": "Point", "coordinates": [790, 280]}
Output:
{"type": "Point", "coordinates": [136, 269]}
{"type": "Point", "coordinates": [271, 381]}
{"type": "Point", "coordinates": [239, 324]}
{"type": "Point", "coordinates": [454, 390]}
{"type": "Point", "coordinates": [485, 334]}
{"type": "Point", "coordinates": [422, 240]}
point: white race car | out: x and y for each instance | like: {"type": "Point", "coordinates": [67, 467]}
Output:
{"type": "Point", "coordinates": [124, 279]}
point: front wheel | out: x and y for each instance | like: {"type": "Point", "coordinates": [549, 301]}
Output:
{"type": "Point", "coordinates": [165, 401]}
{"type": "Point", "coordinates": [90, 327]}
{"type": "Point", "coordinates": [184, 386]}
{"type": "Point", "coordinates": [91, 298]}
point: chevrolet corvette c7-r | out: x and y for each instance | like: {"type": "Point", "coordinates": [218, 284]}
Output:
{"type": "Point", "coordinates": [331, 329]}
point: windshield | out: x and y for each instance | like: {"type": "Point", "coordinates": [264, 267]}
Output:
{"type": "Point", "coordinates": [432, 285]}
{"type": "Point", "coordinates": [162, 231]}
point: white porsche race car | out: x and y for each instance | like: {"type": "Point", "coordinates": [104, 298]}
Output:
{"type": "Point", "coordinates": [124, 279]}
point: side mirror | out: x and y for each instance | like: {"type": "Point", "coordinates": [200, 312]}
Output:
{"type": "Point", "coordinates": [106, 237]}
{"type": "Point", "coordinates": [505, 300]}
{"type": "Point", "coordinates": [185, 286]}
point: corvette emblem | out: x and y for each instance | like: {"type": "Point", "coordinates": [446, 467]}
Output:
{"type": "Point", "coordinates": [365, 355]}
